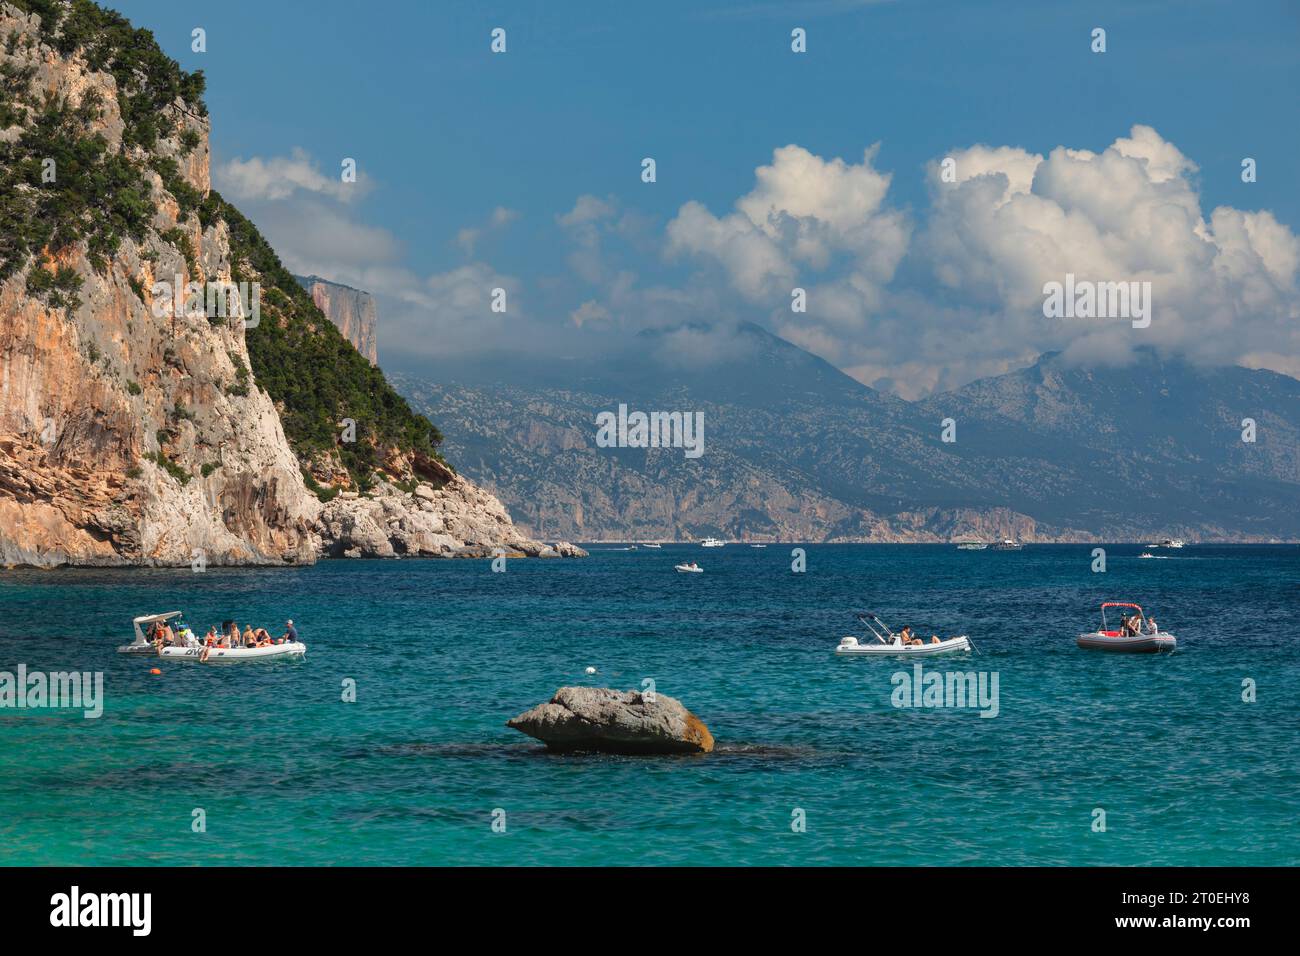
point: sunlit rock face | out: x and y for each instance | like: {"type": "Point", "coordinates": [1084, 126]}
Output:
{"type": "Point", "coordinates": [351, 310]}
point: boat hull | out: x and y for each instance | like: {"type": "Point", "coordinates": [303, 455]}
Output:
{"type": "Point", "coordinates": [148, 649]}
{"type": "Point", "coordinates": [911, 650]}
{"type": "Point", "coordinates": [232, 655]}
{"type": "Point", "coordinates": [1141, 644]}
{"type": "Point", "coordinates": [682, 569]}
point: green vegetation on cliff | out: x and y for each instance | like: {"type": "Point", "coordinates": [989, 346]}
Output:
{"type": "Point", "coordinates": [60, 183]}
{"type": "Point", "coordinates": [148, 80]}
{"type": "Point", "coordinates": [312, 372]}
{"type": "Point", "coordinates": [101, 195]}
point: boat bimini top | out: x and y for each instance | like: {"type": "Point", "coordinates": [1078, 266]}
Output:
{"type": "Point", "coordinates": [147, 619]}
{"type": "Point", "coordinates": [888, 637]}
{"type": "Point", "coordinates": [1142, 618]}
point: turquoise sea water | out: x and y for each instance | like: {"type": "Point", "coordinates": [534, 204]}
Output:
{"type": "Point", "coordinates": [444, 652]}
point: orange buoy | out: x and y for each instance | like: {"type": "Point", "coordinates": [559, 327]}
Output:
{"type": "Point", "coordinates": [154, 670]}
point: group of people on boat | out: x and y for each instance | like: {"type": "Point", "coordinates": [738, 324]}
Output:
{"type": "Point", "coordinates": [909, 638]}
{"type": "Point", "coordinates": [1130, 625]}
{"type": "Point", "coordinates": [161, 634]}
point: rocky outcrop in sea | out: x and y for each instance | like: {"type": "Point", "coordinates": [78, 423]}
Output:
{"type": "Point", "coordinates": [602, 720]}
{"type": "Point", "coordinates": [458, 520]}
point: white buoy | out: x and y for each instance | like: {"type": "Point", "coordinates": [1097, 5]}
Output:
{"type": "Point", "coordinates": [591, 670]}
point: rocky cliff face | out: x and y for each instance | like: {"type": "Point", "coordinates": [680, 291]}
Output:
{"type": "Point", "coordinates": [133, 431]}
{"type": "Point", "coordinates": [351, 310]}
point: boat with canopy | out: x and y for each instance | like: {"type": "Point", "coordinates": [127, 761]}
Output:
{"type": "Point", "coordinates": [190, 648]}
{"type": "Point", "coordinates": [1137, 634]}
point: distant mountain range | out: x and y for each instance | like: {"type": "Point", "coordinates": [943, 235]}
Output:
{"type": "Point", "coordinates": [796, 450]}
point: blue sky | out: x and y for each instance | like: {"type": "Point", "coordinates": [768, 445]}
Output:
{"type": "Point", "coordinates": [445, 132]}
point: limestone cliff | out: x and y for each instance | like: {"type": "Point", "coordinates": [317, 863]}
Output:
{"type": "Point", "coordinates": [134, 428]}
{"type": "Point", "coordinates": [351, 310]}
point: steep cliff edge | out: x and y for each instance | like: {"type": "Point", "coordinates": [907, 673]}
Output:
{"type": "Point", "coordinates": [351, 310]}
{"type": "Point", "coordinates": [143, 419]}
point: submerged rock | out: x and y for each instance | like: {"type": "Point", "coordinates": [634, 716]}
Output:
{"type": "Point", "coordinates": [610, 721]}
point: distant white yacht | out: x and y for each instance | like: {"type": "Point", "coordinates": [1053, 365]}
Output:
{"type": "Point", "coordinates": [1008, 544]}
{"type": "Point", "coordinates": [968, 544]}
{"type": "Point", "coordinates": [713, 542]}
{"type": "Point", "coordinates": [651, 544]}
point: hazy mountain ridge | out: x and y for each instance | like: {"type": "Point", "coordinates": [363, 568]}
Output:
{"type": "Point", "coordinates": [796, 450]}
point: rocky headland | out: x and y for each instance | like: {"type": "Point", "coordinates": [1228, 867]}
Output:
{"type": "Point", "coordinates": [140, 424]}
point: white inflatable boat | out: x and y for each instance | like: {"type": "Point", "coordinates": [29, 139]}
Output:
{"type": "Point", "coordinates": [851, 645]}
{"type": "Point", "coordinates": [885, 643]}
{"type": "Point", "coordinates": [193, 650]}
{"type": "Point", "coordinates": [1140, 636]}
{"type": "Point", "coordinates": [230, 655]}
{"type": "Point", "coordinates": [688, 569]}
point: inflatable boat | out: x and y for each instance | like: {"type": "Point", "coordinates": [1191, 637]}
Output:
{"type": "Point", "coordinates": [688, 569]}
{"type": "Point", "coordinates": [1138, 635]}
{"type": "Point", "coordinates": [230, 655]}
{"type": "Point", "coordinates": [193, 651]}
{"type": "Point", "coordinates": [851, 645]}
{"type": "Point", "coordinates": [885, 643]}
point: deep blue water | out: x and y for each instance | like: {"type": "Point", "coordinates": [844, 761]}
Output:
{"type": "Point", "coordinates": [444, 652]}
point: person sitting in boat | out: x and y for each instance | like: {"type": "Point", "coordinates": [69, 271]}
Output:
{"type": "Point", "coordinates": [290, 633]}
{"type": "Point", "coordinates": [1152, 627]}
{"type": "Point", "coordinates": [210, 638]}
{"type": "Point", "coordinates": [250, 639]}
{"type": "Point", "coordinates": [908, 637]}
{"type": "Point", "coordinates": [262, 638]}
{"type": "Point", "coordinates": [162, 635]}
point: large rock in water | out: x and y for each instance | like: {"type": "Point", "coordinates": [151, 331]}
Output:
{"type": "Point", "coordinates": [611, 721]}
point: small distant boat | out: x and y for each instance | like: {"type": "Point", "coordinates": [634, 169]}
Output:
{"type": "Point", "coordinates": [655, 545]}
{"type": "Point", "coordinates": [1008, 544]}
{"type": "Point", "coordinates": [1173, 543]}
{"type": "Point", "coordinates": [888, 644]}
{"type": "Point", "coordinates": [758, 546]}
{"type": "Point", "coordinates": [713, 543]}
{"type": "Point", "coordinates": [971, 545]}
{"type": "Point", "coordinates": [1146, 554]}
{"type": "Point", "coordinates": [691, 568]}
{"type": "Point", "coordinates": [1142, 637]}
